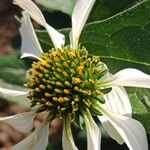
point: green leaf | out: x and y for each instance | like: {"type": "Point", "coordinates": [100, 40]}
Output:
{"type": "Point", "coordinates": [124, 37]}
{"type": "Point", "coordinates": [12, 69]}
{"type": "Point", "coordinates": [141, 111]}
{"type": "Point", "coordinates": [121, 37]}
{"type": "Point", "coordinates": [106, 8]}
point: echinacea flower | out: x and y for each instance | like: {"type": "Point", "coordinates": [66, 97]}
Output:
{"type": "Point", "coordinates": [68, 83]}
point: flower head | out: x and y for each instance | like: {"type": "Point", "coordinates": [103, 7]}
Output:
{"type": "Point", "coordinates": [65, 81]}
{"type": "Point", "coordinates": [68, 83]}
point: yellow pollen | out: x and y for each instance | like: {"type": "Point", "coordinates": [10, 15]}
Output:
{"type": "Point", "coordinates": [59, 53]}
{"type": "Point", "coordinates": [80, 69]}
{"type": "Point", "coordinates": [54, 53]}
{"type": "Point", "coordinates": [56, 58]}
{"type": "Point", "coordinates": [61, 100]}
{"type": "Point", "coordinates": [65, 64]}
{"type": "Point", "coordinates": [71, 54]}
{"type": "Point", "coordinates": [76, 80]}
{"type": "Point", "coordinates": [44, 62]}
{"type": "Point", "coordinates": [34, 72]}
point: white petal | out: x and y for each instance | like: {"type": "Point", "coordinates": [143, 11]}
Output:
{"type": "Point", "coordinates": [67, 138]}
{"type": "Point", "coordinates": [24, 55]}
{"type": "Point", "coordinates": [57, 38]}
{"type": "Point", "coordinates": [93, 133]}
{"type": "Point", "coordinates": [30, 45]}
{"type": "Point", "coordinates": [113, 133]}
{"type": "Point", "coordinates": [12, 92]}
{"type": "Point", "coordinates": [130, 77]}
{"type": "Point", "coordinates": [22, 122]}
{"type": "Point", "coordinates": [118, 101]}
{"type": "Point", "coordinates": [36, 14]}
{"type": "Point", "coordinates": [38, 140]}
{"type": "Point", "coordinates": [79, 17]}
{"type": "Point", "coordinates": [131, 131]}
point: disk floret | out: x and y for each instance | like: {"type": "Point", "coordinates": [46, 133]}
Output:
{"type": "Point", "coordinates": [65, 81]}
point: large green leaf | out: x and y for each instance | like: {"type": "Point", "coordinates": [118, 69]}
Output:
{"type": "Point", "coordinates": [123, 37]}
{"type": "Point", "coordinates": [106, 8]}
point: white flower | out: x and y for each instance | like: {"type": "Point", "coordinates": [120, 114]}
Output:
{"type": "Point", "coordinates": [116, 111]}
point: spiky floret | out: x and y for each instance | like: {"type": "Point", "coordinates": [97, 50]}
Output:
{"type": "Point", "coordinates": [65, 81]}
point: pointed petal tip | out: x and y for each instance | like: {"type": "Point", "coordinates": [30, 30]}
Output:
{"type": "Point", "coordinates": [79, 17]}
{"type": "Point", "coordinates": [28, 55]}
{"type": "Point", "coordinates": [30, 44]}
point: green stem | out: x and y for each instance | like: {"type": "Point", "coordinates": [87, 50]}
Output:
{"type": "Point", "coordinates": [67, 123]}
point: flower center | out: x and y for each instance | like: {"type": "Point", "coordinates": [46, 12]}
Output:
{"type": "Point", "coordinates": [64, 81]}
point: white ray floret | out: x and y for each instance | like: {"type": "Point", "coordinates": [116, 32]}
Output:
{"type": "Point", "coordinates": [30, 46]}
{"type": "Point", "coordinates": [13, 92]}
{"type": "Point", "coordinates": [22, 122]}
{"type": "Point", "coordinates": [130, 77]}
{"type": "Point", "coordinates": [67, 137]}
{"type": "Point", "coordinates": [118, 101]}
{"type": "Point", "coordinates": [93, 133]}
{"type": "Point", "coordinates": [57, 38]}
{"type": "Point", "coordinates": [113, 133]}
{"type": "Point", "coordinates": [131, 131]}
{"type": "Point", "coordinates": [79, 18]}
{"type": "Point", "coordinates": [38, 140]}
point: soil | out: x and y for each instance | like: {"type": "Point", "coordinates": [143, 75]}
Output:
{"type": "Point", "coordinates": [8, 25]}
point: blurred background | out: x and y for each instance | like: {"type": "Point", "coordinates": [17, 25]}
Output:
{"type": "Point", "coordinates": [13, 70]}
